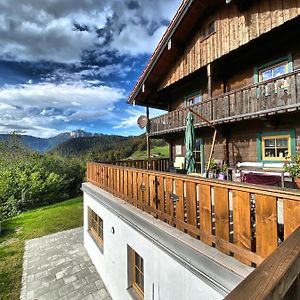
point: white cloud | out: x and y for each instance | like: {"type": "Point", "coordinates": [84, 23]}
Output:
{"type": "Point", "coordinates": [61, 30]}
{"type": "Point", "coordinates": [39, 108]}
{"type": "Point", "coordinates": [135, 40]}
{"type": "Point", "coordinates": [131, 120]}
{"type": "Point", "coordinates": [59, 96]}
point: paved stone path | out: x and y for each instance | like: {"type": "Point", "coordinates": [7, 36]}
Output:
{"type": "Point", "coordinates": [58, 267]}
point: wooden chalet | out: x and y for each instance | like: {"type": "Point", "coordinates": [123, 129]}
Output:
{"type": "Point", "coordinates": [237, 64]}
{"type": "Point", "coordinates": [154, 234]}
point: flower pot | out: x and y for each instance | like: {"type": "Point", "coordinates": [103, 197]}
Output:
{"type": "Point", "coordinates": [221, 176]}
{"type": "Point", "coordinates": [297, 182]}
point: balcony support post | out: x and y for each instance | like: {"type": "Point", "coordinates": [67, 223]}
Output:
{"type": "Point", "coordinates": [209, 88]}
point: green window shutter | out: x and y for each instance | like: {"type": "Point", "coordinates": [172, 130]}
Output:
{"type": "Point", "coordinates": [293, 142]}
{"type": "Point", "coordinates": [290, 62]}
{"type": "Point", "coordinates": [258, 147]}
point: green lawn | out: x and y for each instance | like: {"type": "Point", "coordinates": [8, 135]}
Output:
{"type": "Point", "coordinates": [29, 225]}
{"type": "Point", "coordinates": [161, 151]}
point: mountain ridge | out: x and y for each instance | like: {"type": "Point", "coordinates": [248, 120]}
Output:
{"type": "Point", "coordinates": [47, 144]}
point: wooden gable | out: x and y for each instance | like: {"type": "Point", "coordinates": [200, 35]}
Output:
{"type": "Point", "coordinates": [187, 49]}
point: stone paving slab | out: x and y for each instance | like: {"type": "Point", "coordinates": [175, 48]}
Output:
{"type": "Point", "coordinates": [58, 267]}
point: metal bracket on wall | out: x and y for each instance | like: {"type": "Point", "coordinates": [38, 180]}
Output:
{"type": "Point", "coordinates": [174, 197]}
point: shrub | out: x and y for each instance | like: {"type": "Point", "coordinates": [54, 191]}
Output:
{"type": "Point", "coordinates": [31, 180]}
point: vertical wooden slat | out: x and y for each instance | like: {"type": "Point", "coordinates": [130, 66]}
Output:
{"type": "Point", "coordinates": [169, 192]}
{"type": "Point", "coordinates": [140, 190]}
{"type": "Point", "coordinates": [241, 222]}
{"type": "Point", "coordinates": [291, 210]}
{"type": "Point", "coordinates": [205, 211]}
{"type": "Point", "coordinates": [147, 190]}
{"type": "Point", "coordinates": [222, 214]}
{"type": "Point", "coordinates": [129, 178]}
{"type": "Point", "coordinates": [134, 188]}
{"type": "Point", "coordinates": [191, 204]}
{"type": "Point", "coordinates": [122, 183]}
{"type": "Point", "coordinates": [125, 185]}
{"type": "Point", "coordinates": [152, 188]}
{"type": "Point", "coordinates": [160, 193]}
{"type": "Point", "coordinates": [179, 204]}
{"type": "Point", "coordinates": [266, 225]}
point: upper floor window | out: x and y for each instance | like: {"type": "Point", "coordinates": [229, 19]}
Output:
{"type": "Point", "coordinates": [208, 29]}
{"type": "Point", "coordinates": [95, 225]}
{"type": "Point", "coordinates": [192, 100]}
{"type": "Point", "coordinates": [273, 71]}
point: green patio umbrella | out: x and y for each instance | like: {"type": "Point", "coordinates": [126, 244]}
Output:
{"type": "Point", "coordinates": [189, 141]}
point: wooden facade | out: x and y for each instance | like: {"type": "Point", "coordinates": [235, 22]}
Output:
{"type": "Point", "coordinates": [233, 29]}
{"type": "Point", "coordinates": [241, 60]}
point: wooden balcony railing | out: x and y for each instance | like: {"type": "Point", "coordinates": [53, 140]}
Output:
{"type": "Point", "coordinates": [268, 97]}
{"type": "Point", "coordinates": [278, 277]}
{"type": "Point", "coordinates": [240, 220]}
{"type": "Point", "coordinates": [160, 164]}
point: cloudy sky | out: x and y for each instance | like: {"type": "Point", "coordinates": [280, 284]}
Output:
{"type": "Point", "coordinates": [69, 64]}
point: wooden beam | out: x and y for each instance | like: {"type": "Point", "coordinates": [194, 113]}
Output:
{"type": "Point", "coordinates": [211, 150]}
{"type": "Point", "coordinates": [147, 132]}
{"type": "Point", "coordinates": [202, 118]}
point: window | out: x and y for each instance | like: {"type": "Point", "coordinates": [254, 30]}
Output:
{"type": "Point", "coordinates": [273, 71]}
{"type": "Point", "coordinates": [136, 272]}
{"type": "Point", "coordinates": [208, 29]}
{"type": "Point", "coordinates": [276, 147]}
{"type": "Point", "coordinates": [194, 99]}
{"type": "Point", "coordinates": [198, 154]}
{"type": "Point", "coordinates": [95, 226]}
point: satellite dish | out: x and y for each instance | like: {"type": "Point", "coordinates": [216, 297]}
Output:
{"type": "Point", "coordinates": [142, 121]}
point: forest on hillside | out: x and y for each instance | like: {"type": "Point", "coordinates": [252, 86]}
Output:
{"type": "Point", "coordinates": [30, 179]}
{"type": "Point", "coordinates": [105, 147]}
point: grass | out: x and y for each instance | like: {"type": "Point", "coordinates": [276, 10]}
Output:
{"type": "Point", "coordinates": [36, 223]}
{"type": "Point", "coordinates": [159, 151]}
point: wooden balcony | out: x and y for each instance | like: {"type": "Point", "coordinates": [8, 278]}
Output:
{"type": "Point", "coordinates": [274, 96]}
{"type": "Point", "coordinates": [160, 164]}
{"type": "Point", "coordinates": [245, 221]}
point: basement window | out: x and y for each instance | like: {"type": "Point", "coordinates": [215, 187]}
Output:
{"type": "Point", "coordinates": [95, 227]}
{"type": "Point", "coordinates": [135, 273]}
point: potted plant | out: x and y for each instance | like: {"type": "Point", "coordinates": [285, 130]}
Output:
{"type": "Point", "coordinates": [223, 170]}
{"type": "Point", "coordinates": [212, 168]}
{"type": "Point", "coordinates": [294, 169]}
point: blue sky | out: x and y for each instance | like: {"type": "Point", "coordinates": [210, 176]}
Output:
{"type": "Point", "coordinates": [69, 64]}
